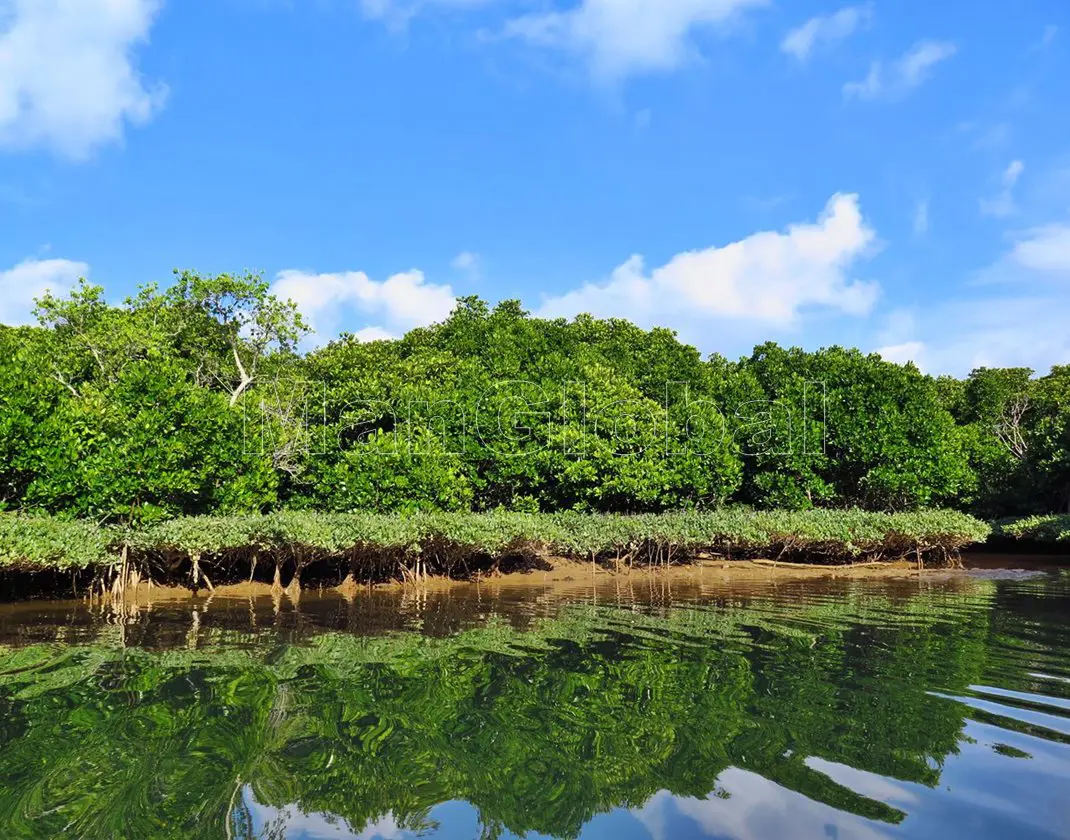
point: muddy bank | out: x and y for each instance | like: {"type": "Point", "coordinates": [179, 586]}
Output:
{"type": "Point", "coordinates": [557, 573]}
{"type": "Point", "coordinates": [504, 573]}
{"type": "Point", "coordinates": [169, 617]}
{"type": "Point", "coordinates": [301, 549]}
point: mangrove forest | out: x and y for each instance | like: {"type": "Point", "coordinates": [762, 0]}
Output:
{"type": "Point", "coordinates": [197, 424]}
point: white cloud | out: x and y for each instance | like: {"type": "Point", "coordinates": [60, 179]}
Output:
{"type": "Point", "coordinates": [29, 280]}
{"type": "Point", "coordinates": [767, 278]}
{"type": "Point", "coordinates": [1013, 173]}
{"type": "Point", "coordinates": [621, 37]}
{"type": "Point", "coordinates": [469, 263]}
{"type": "Point", "coordinates": [397, 304]}
{"type": "Point", "coordinates": [908, 351]}
{"type": "Point", "coordinates": [1018, 317]}
{"type": "Point", "coordinates": [1004, 205]}
{"type": "Point", "coordinates": [869, 785]}
{"type": "Point", "coordinates": [1007, 331]}
{"type": "Point", "coordinates": [826, 29]}
{"type": "Point", "coordinates": [868, 88]}
{"type": "Point", "coordinates": [291, 821]}
{"type": "Point", "coordinates": [68, 80]}
{"type": "Point", "coordinates": [753, 808]}
{"type": "Point", "coordinates": [374, 334]}
{"type": "Point", "coordinates": [914, 67]}
{"type": "Point", "coordinates": [1045, 249]}
{"type": "Point", "coordinates": [905, 74]}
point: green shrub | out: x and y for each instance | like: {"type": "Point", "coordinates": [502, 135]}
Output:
{"type": "Point", "coordinates": [443, 540]}
{"type": "Point", "coordinates": [1041, 529]}
{"type": "Point", "coordinates": [39, 543]}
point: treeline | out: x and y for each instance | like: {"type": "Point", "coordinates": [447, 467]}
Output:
{"type": "Point", "coordinates": [196, 399]}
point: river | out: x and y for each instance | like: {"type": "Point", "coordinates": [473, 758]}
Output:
{"type": "Point", "coordinates": [618, 708]}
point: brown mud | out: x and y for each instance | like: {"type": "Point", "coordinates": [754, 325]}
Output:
{"type": "Point", "coordinates": [556, 574]}
{"type": "Point", "coordinates": [124, 584]}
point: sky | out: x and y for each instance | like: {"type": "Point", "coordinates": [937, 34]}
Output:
{"type": "Point", "coordinates": [888, 175]}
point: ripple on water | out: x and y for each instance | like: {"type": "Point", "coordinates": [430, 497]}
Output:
{"type": "Point", "coordinates": [937, 708]}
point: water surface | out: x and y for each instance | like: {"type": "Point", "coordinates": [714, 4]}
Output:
{"type": "Point", "coordinates": [801, 709]}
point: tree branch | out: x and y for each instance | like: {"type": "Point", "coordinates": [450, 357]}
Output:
{"type": "Point", "coordinates": [246, 379]}
{"type": "Point", "coordinates": [62, 380]}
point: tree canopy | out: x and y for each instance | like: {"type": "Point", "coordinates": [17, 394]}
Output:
{"type": "Point", "coordinates": [197, 399]}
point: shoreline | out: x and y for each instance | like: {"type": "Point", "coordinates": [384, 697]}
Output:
{"type": "Point", "coordinates": [300, 548]}
{"type": "Point", "coordinates": [295, 552]}
{"type": "Point", "coordinates": [563, 573]}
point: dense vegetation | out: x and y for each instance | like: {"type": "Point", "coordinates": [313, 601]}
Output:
{"type": "Point", "coordinates": [1051, 530]}
{"type": "Point", "coordinates": [373, 546]}
{"type": "Point", "coordinates": [196, 400]}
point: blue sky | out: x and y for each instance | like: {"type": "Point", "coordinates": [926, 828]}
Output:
{"type": "Point", "coordinates": [894, 176]}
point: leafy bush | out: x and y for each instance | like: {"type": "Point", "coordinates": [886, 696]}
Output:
{"type": "Point", "coordinates": [28, 542]}
{"type": "Point", "coordinates": [443, 541]}
{"type": "Point", "coordinates": [1041, 529]}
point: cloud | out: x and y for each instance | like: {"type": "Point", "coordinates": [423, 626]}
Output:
{"type": "Point", "coordinates": [30, 279]}
{"type": "Point", "coordinates": [290, 820]}
{"type": "Point", "coordinates": [870, 87]}
{"type": "Point", "coordinates": [826, 29]}
{"type": "Point", "coordinates": [988, 137]}
{"type": "Point", "coordinates": [914, 67]}
{"type": "Point", "coordinates": [1018, 317]}
{"type": "Point", "coordinates": [618, 39]}
{"type": "Point", "coordinates": [1045, 249]}
{"type": "Point", "coordinates": [905, 74]}
{"type": "Point", "coordinates": [908, 351]}
{"type": "Point", "coordinates": [768, 278]}
{"type": "Point", "coordinates": [68, 80]}
{"type": "Point", "coordinates": [1004, 205]}
{"type": "Point", "coordinates": [749, 807]}
{"type": "Point", "coordinates": [1027, 330]}
{"type": "Point", "coordinates": [398, 304]}
{"type": "Point", "coordinates": [374, 334]}
{"type": "Point", "coordinates": [469, 263]}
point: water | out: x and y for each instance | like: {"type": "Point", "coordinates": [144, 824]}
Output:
{"type": "Point", "coordinates": [643, 709]}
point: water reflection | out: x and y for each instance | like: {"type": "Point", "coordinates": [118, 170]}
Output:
{"type": "Point", "coordinates": [817, 709]}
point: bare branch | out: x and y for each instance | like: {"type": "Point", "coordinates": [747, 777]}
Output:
{"type": "Point", "coordinates": [1009, 428]}
{"type": "Point", "coordinates": [62, 380]}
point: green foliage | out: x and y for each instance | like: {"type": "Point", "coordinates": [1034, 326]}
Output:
{"type": "Point", "coordinates": [384, 472]}
{"type": "Point", "coordinates": [150, 444]}
{"type": "Point", "coordinates": [231, 326]}
{"type": "Point", "coordinates": [27, 399]}
{"type": "Point", "coordinates": [1048, 435]}
{"type": "Point", "coordinates": [993, 413]}
{"type": "Point", "coordinates": [195, 400]}
{"type": "Point", "coordinates": [838, 427]}
{"type": "Point", "coordinates": [36, 543]}
{"type": "Point", "coordinates": [1041, 529]}
{"type": "Point", "coordinates": [527, 414]}
{"type": "Point", "coordinates": [445, 542]}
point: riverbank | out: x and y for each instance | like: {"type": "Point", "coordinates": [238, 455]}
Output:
{"type": "Point", "coordinates": [556, 575]}
{"type": "Point", "coordinates": [296, 549]}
